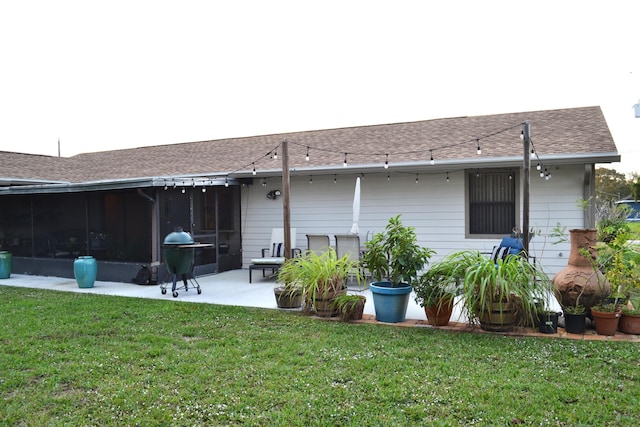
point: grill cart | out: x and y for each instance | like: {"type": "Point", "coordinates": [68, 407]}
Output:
{"type": "Point", "coordinates": [179, 251]}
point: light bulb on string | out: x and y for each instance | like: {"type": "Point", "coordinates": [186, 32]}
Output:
{"type": "Point", "coordinates": [538, 166]}
{"type": "Point", "coordinates": [226, 182]}
{"type": "Point", "coordinates": [275, 154]}
{"type": "Point", "coordinates": [432, 161]}
{"type": "Point", "coordinates": [310, 179]}
{"type": "Point", "coordinates": [388, 177]}
{"type": "Point", "coordinates": [541, 174]}
{"type": "Point", "coordinates": [345, 160]}
{"type": "Point", "coordinates": [183, 190]}
{"type": "Point", "coordinates": [386, 162]}
{"type": "Point", "coordinates": [478, 150]}
{"type": "Point", "coordinates": [335, 179]}
{"type": "Point", "coordinates": [264, 182]}
{"type": "Point", "coordinates": [307, 156]}
{"type": "Point", "coordinates": [447, 177]}
{"type": "Point", "coordinates": [417, 178]}
{"type": "Point", "coordinates": [254, 168]}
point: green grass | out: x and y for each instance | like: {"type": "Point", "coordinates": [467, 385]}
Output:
{"type": "Point", "coordinates": [76, 359]}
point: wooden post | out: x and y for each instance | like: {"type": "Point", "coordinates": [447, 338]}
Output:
{"type": "Point", "coordinates": [286, 213]}
{"type": "Point", "coordinates": [525, 187]}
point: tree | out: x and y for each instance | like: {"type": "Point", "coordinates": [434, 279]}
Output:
{"type": "Point", "coordinates": [611, 185]}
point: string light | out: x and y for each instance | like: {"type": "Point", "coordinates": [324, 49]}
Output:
{"type": "Point", "coordinates": [183, 191]}
{"type": "Point", "coordinates": [417, 179]}
{"type": "Point", "coordinates": [226, 182]}
{"type": "Point", "coordinates": [274, 155]}
{"type": "Point", "coordinates": [310, 179]}
{"type": "Point", "coordinates": [335, 179]}
{"type": "Point", "coordinates": [165, 184]}
{"type": "Point", "coordinates": [264, 182]}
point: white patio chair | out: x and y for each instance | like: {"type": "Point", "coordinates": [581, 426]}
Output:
{"type": "Point", "coordinates": [273, 256]}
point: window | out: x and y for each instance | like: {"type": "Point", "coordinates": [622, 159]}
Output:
{"type": "Point", "coordinates": [491, 202]}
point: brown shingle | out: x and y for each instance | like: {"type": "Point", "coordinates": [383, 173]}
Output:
{"type": "Point", "coordinates": [553, 132]}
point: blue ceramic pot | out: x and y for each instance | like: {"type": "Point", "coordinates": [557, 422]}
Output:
{"type": "Point", "coordinates": [5, 265]}
{"type": "Point", "coordinates": [85, 270]}
{"type": "Point", "coordinates": [390, 302]}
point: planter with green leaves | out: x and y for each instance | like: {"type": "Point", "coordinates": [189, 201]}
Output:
{"type": "Point", "coordinates": [350, 307]}
{"type": "Point", "coordinates": [321, 277]}
{"type": "Point", "coordinates": [630, 319]}
{"type": "Point", "coordinates": [501, 294]}
{"type": "Point", "coordinates": [575, 317]}
{"type": "Point", "coordinates": [437, 288]}
{"type": "Point", "coordinates": [394, 259]}
{"type": "Point", "coordinates": [606, 317]}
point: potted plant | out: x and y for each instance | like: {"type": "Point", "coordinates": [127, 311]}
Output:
{"type": "Point", "coordinates": [630, 319]}
{"type": "Point", "coordinates": [606, 316]}
{"type": "Point", "coordinates": [350, 307]}
{"type": "Point", "coordinates": [436, 289]}
{"type": "Point", "coordinates": [321, 277]}
{"type": "Point", "coordinates": [394, 259]}
{"type": "Point", "coordinates": [575, 317]}
{"type": "Point", "coordinates": [501, 293]}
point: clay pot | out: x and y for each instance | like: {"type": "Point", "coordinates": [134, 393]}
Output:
{"type": "Point", "coordinates": [578, 278]}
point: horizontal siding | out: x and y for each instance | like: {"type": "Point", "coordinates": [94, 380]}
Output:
{"type": "Point", "coordinates": [435, 207]}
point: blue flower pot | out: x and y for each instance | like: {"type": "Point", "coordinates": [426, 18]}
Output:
{"type": "Point", "coordinates": [5, 264]}
{"type": "Point", "coordinates": [85, 270]}
{"type": "Point", "coordinates": [390, 302]}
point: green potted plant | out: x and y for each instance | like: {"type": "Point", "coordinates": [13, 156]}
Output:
{"type": "Point", "coordinates": [501, 293]}
{"type": "Point", "coordinates": [321, 277]}
{"type": "Point", "coordinates": [350, 307]}
{"type": "Point", "coordinates": [437, 288]}
{"type": "Point", "coordinates": [630, 319]}
{"type": "Point", "coordinates": [394, 259]}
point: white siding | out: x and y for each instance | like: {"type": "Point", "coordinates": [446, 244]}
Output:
{"type": "Point", "coordinates": [433, 206]}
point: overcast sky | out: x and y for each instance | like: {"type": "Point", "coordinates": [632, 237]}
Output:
{"type": "Point", "coordinates": [102, 75]}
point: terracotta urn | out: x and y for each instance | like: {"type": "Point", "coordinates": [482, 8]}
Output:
{"type": "Point", "coordinates": [579, 279]}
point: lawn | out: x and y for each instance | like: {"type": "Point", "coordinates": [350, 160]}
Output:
{"type": "Point", "coordinates": [76, 359]}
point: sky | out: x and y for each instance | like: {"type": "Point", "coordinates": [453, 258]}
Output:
{"type": "Point", "coordinates": [103, 75]}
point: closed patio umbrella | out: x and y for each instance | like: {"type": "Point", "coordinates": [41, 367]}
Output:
{"type": "Point", "coordinates": [356, 208]}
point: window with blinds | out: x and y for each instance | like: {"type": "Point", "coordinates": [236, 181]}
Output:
{"type": "Point", "coordinates": [491, 202]}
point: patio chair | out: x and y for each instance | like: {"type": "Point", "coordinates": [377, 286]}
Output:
{"type": "Point", "coordinates": [509, 245]}
{"type": "Point", "coordinates": [318, 243]}
{"type": "Point", "coordinates": [349, 244]}
{"type": "Point", "coordinates": [273, 256]}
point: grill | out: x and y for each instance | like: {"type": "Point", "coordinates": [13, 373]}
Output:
{"type": "Point", "coordinates": [179, 252]}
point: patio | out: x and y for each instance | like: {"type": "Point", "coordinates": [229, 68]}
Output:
{"type": "Point", "coordinates": [233, 288]}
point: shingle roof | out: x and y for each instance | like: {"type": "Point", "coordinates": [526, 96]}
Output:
{"type": "Point", "coordinates": [574, 131]}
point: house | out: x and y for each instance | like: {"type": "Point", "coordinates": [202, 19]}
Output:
{"type": "Point", "coordinates": [458, 181]}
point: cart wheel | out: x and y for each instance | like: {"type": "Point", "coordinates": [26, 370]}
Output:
{"type": "Point", "coordinates": [175, 294]}
{"type": "Point", "coordinates": [199, 291]}
{"type": "Point", "coordinates": [164, 291]}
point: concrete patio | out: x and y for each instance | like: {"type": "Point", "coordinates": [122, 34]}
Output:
{"type": "Point", "coordinates": [233, 288]}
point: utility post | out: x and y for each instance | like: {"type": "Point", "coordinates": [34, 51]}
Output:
{"type": "Point", "coordinates": [525, 186]}
{"type": "Point", "coordinates": [286, 213]}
